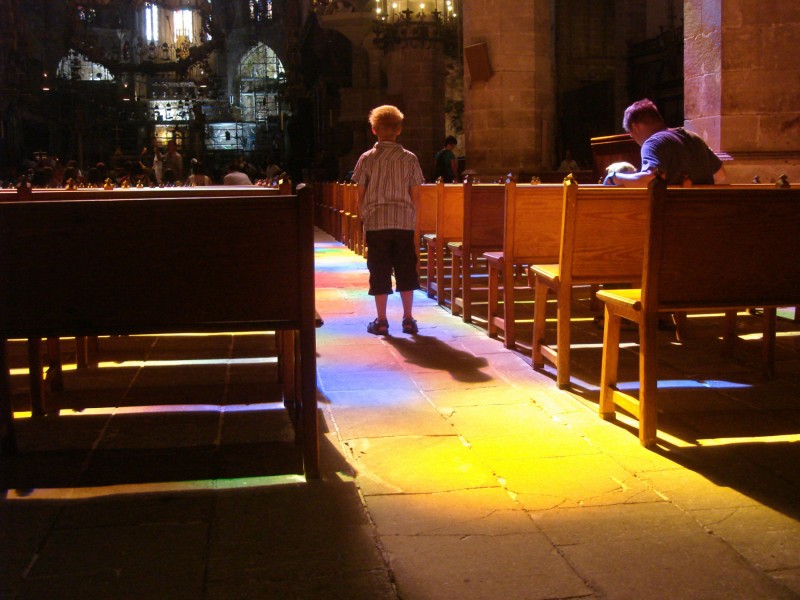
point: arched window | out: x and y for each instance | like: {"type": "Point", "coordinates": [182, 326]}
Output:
{"type": "Point", "coordinates": [261, 76]}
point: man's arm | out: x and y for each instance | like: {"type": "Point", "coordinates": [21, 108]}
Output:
{"type": "Point", "coordinates": [634, 180]}
{"type": "Point", "coordinates": [720, 176]}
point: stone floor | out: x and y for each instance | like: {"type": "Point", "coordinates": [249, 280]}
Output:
{"type": "Point", "coordinates": [451, 469]}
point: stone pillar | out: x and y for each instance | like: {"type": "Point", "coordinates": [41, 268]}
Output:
{"type": "Point", "coordinates": [741, 78]}
{"type": "Point", "coordinates": [509, 119]}
{"type": "Point", "coordinates": [415, 83]}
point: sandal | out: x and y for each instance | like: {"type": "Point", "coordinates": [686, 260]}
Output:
{"type": "Point", "coordinates": [378, 327]}
{"type": "Point", "coordinates": [410, 325]}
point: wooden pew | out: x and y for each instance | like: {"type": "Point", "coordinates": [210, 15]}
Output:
{"type": "Point", "coordinates": [602, 240]}
{"type": "Point", "coordinates": [352, 217]}
{"type": "Point", "coordinates": [338, 213]}
{"type": "Point", "coordinates": [449, 227]}
{"type": "Point", "coordinates": [720, 248]}
{"type": "Point", "coordinates": [86, 348]}
{"type": "Point", "coordinates": [165, 265]}
{"type": "Point", "coordinates": [424, 198]}
{"type": "Point", "coordinates": [482, 231]}
{"type": "Point", "coordinates": [531, 234]}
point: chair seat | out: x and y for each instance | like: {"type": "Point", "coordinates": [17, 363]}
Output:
{"type": "Point", "coordinates": [495, 259]}
{"type": "Point", "coordinates": [629, 298]}
{"type": "Point", "coordinates": [549, 272]}
{"type": "Point", "coordinates": [455, 246]}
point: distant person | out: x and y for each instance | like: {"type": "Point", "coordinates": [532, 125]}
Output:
{"type": "Point", "coordinates": [569, 164]}
{"type": "Point", "coordinates": [678, 155]}
{"type": "Point", "coordinates": [385, 175]}
{"type": "Point", "coordinates": [235, 176]}
{"type": "Point", "coordinates": [271, 170]}
{"type": "Point", "coordinates": [198, 176]}
{"type": "Point", "coordinates": [174, 161]}
{"type": "Point", "coordinates": [444, 161]}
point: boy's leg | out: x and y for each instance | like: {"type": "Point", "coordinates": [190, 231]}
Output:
{"type": "Point", "coordinates": [380, 278]}
{"type": "Point", "coordinates": [408, 302]}
{"type": "Point", "coordinates": [381, 300]}
{"type": "Point", "coordinates": [405, 272]}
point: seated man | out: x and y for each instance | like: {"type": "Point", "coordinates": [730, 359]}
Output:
{"type": "Point", "coordinates": [678, 154]}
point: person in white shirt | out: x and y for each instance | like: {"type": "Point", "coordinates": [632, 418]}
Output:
{"type": "Point", "coordinates": [236, 177]}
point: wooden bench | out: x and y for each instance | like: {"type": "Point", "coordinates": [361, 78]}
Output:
{"type": "Point", "coordinates": [424, 198]}
{"type": "Point", "coordinates": [717, 248]}
{"type": "Point", "coordinates": [602, 240]}
{"type": "Point", "coordinates": [449, 227]}
{"type": "Point", "coordinates": [482, 231]}
{"type": "Point", "coordinates": [86, 348]}
{"type": "Point", "coordinates": [165, 265]}
{"type": "Point", "coordinates": [531, 230]}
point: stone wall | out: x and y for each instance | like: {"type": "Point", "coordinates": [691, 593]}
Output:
{"type": "Point", "coordinates": [742, 77]}
{"type": "Point", "coordinates": [509, 119]}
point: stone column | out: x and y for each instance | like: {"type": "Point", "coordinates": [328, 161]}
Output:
{"type": "Point", "coordinates": [741, 78]}
{"type": "Point", "coordinates": [509, 119]}
{"type": "Point", "coordinates": [415, 83]}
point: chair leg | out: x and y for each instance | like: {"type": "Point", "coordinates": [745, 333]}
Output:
{"type": "Point", "coordinates": [440, 272]}
{"type": "Point", "coordinates": [563, 330]}
{"type": "Point", "coordinates": [768, 342]}
{"type": "Point", "coordinates": [467, 269]}
{"type": "Point", "coordinates": [509, 312]}
{"type": "Point", "coordinates": [55, 373]}
{"type": "Point", "coordinates": [455, 281]}
{"type": "Point", "coordinates": [648, 379]}
{"type": "Point", "coordinates": [35, 370]}
{"type": "Point", "coordinates": [729, 333]}
{"type": "Point", "coordinates": [430, 269]}
{"type": "Point", "coordinates": [609, 370]}
{"type": "Point", "coordinates": [539, 322]}
{"type": "Point", "coordinates": [8, 439]}
{"type": "Point", "coordinates": [493, 299]}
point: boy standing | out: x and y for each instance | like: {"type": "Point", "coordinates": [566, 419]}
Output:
{"type": "Point", "coordinates": [385, 175]}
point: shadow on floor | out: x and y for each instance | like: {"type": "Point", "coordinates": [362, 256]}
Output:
{"type": "Point", "coordinates": [432, 353]}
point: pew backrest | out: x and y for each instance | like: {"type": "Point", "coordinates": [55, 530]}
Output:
{"type": "Point", "coordinates": [603, 233]}
{"type": "Point", "coordinates": [532, 223]}
{"type": "Point", "coordinates": [722, 246]}
{"type": "Point", "coordinates": [484, 209]}
{"type": "Point", "coordinates": [88, 267]}
{"type": "Point", "coordinates": [449, 212]}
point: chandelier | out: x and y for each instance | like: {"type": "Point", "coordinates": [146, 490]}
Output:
{"type": "Point", "coordinates": [414, 24]}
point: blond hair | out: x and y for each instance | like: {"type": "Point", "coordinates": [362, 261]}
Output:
{"type": "Point", "coordinates": [386, 118]}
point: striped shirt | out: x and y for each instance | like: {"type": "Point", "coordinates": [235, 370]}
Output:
{"type": "Point", "coordinates": [387, 172]}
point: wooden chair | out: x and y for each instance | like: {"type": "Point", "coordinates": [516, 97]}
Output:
{"type": "Point", "coordinates": [719, 248]}
{"type": "Point", "coordinates": [482, 232]}
{"type": "Point", "coordinates": [449, 227]}
{"type": "Point", "coordinates": [424, 198]}
{"type": "Point", "coordinates": [144, 275]}
{"type": "Point", "coordinates": [531, 234]}
{"type": "Point", "coordinates": [602, 240]}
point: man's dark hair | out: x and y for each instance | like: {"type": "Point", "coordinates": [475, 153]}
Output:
{"type": "Point", "coordinates": [450, 140]}
{"type": "Point", "coordinates": [641, 111]}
